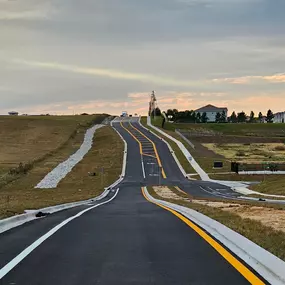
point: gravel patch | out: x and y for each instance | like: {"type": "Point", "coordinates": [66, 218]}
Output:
{"type": "Point", "coordinates": [52, 179]}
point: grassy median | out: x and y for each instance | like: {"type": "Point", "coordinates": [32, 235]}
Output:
{"type": "Point", "coordinates": [105, 159]}
{"type": "Point", "coordinates": [265, 236]}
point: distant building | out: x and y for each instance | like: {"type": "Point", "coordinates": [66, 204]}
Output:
{"type": "Point", "coordinates": [12, 113]}
{"type": "Point", "coordinates": [279, 117]}
{"type": "Point", "coordinates": [211, 112]}
{"type": "Point", "coordinates": [124, 114]}
{"type": "Point", "coordinates": [263, 120]}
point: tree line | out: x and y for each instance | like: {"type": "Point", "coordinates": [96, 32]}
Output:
{"type": "Point", "coordinates": [190, 116]}
{"type": "Point", "coordinates": [243, 118]}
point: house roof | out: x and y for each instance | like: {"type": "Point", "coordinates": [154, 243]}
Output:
{"type": "Point", "coordinates": [211, 108]}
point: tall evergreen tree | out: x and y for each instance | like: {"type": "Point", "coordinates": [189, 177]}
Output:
{"type": "Point", "coordinates": [204, 118]}
{"type": "Point", "coordinates": [223, 117]}
{"type": "Point", "coordinates": [233, 117]}
{"type": "Point", "coordinates": [260, 116]}
{"type": "Point", "coordinates": [251, 118]}
{"type": "Point", "coordinates": [241, 117]}
{"type": "Point", "coordinates": [198, 118]}
{"type": "Point", "coordinates": [270, 116]}
{"type": "Point", "coordinates": [218, 117]}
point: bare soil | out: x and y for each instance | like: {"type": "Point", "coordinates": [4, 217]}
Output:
{"type": "Point", "coordinates": [166, 193]}
{"type": "Point", "coordinates": [267, 216]}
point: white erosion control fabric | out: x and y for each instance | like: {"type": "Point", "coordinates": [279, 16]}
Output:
{"type": "Point", "coordinates": [56, 175]}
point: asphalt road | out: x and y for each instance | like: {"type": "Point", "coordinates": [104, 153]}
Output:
{"type": "Point", "coordinates": [127, 240]}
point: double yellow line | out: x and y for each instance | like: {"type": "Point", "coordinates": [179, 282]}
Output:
{"type": "Point", "coordinates": [140, 146]}
{"type": "Point", "coordinates": [241, 268]}
{"type": "Point", "coordinates": [155, 150]}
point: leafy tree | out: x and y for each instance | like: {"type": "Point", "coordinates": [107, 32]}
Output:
{"type": "Point", "coordinates": [198, 118]}
{"type": "Point", "coordinates": [270, 116]}
{"type": "Point", "coordinates": [169, 112]}
{"type": "Point", "coordinates": [260, 116]}
{"type": "Point", "coordinates": [223, 117]}
{"type": "Point", "coordinates": [251, 118]}
{"type": "Point", "coordinates": [241, 117]}
{"type": "Point", "coordinates": [233, 117]}
{"type": "Point", "coordinates": [204, 118]}
{"type": "Point", "coordinates": [157, 111]}
{"type": "Point", "coordinates": [218, 117]}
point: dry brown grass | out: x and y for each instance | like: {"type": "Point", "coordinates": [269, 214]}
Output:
{"type": "Point", "coordinates": [250, 153]}
{"type": "Point", "coordinates": [106, 152]}
{"type": "Point", "coordinates": [265, 236]}
{"type": "Point", "coordinates": [30, 139]}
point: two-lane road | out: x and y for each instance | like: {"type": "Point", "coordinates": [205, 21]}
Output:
{"type": "Point", "coordinates": [127, 240]}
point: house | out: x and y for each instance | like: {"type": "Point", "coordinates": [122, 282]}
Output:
{"type": "Point", "coordinates": [211, 112]}
{"type": "Point", "coordinates": [12, 113]}
{"type": "Point", "coordinates": [279, 117]}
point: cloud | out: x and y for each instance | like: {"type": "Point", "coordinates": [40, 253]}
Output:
{"type": "Point", "coordinates": [114, 74]}
{"type": "Point", "coordinates": [26, 10]}
{"type": "Point", "coordinates": [275, 78]}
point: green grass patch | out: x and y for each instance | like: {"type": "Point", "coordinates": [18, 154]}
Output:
{"type": "Point", "coordinates": [255, 129]}
{"type": "Point", "coordinates": [272, 184]}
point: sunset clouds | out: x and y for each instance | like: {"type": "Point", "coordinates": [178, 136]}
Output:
{"type": "Point", "coordinates": [65, 57]}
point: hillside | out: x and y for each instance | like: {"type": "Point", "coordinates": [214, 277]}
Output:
{"type": "Point", "coordinates": [30, 139]}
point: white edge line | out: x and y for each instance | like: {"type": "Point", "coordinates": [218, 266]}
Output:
{"type": "Point", "coordinates": [18, 220]}
{"type": "Point", "coordinates": [14, 262]}
{"type": "Point", "coordinates": [143, 170]}
{"type": "Point", "coordinates": [125, 157]}
{"type": "Point", "coordinates": [263, 262]}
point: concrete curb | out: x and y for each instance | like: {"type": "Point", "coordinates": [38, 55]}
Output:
{"type": "Point", "coordinates": [184, 138]}
{"type": "Point", "coordinates": [266, 264]}
{"type": "Point", "coordinates": [170, 149]}
{"type": "Point", "coordinates": [125, 150]}
{"type": "Point", "coordinates": [15, 221]}
{"type": "Point", "coordinates": [204, 176]}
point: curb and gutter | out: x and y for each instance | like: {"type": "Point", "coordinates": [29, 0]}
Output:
{"type": "Point", "coordinates": [263, 262]}
{"type": "Point", "coordinates": [203, 175]}
{"type": "Point", "coordinates": [169, 147]}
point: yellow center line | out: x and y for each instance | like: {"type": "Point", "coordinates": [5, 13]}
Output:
{"type": "Point", "coordinates": [242, 269]}
{"type": "Point", "coordinates": [140, 145]}
{"type": "Point", "coordinates": [154, 147]}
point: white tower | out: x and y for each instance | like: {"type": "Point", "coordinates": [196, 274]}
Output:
{"type": "Point", "coordinates": [152, 103]}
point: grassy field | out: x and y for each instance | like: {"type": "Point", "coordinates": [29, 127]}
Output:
{"type": "Point", "coordinates": [265, 236]}
{"type": "Point", "coordinates": [250, 153]}
{"type": "Point", "coordinates": [273, 184]}
{"type": "Point", "coordinates": [29, 140]}
{"type": "Point", "coordinates": [180, 156]}
{"type": "Point", "coordinates": [203, 159]}
{"type": "Point", "coordinates": [260, 130]}
{"type": "Point", "coordinates": [107, 153]}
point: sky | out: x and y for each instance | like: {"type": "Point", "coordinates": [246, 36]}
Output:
{"type": "Point", "coordinates": [70, 56]}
